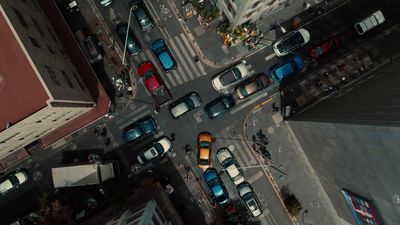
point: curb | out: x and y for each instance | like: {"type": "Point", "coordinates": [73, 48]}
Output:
{"type": "Point", "coordinates": [266, 170]}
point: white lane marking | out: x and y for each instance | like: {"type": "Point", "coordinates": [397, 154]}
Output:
{"type": "Point", "coordinates": [175, 74]}
{"type": "Point", "coordinates": [244, 105]}
{"type": "Point", "coordinates": [168, 82]}
{"type": "Point", "coordinates": [182, 60]}
{"type": "Point", "coordinates": [256, 176]}
{"type": "Point", "coordinates": [270, 56]}
{"type": "Point", "coordinates": [248, 150]}
{"type": "Point", "coordinates": [127, 122]}
{"type": "Point", "coordinates": [264, 46]}
{"type": "Point", "coordinates": [185, 40]}
{"type": "Point", "coordinates": [188, 58]}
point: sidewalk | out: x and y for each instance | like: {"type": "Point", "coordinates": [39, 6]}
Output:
{"type": "Point", "coordinates": [291, 167]}
{"type": "Point", "coordinates": [209, 47]}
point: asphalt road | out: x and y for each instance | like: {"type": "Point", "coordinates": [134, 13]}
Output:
{"type": "Point", "coordinates": [191, 76]}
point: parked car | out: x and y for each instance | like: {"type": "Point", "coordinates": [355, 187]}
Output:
{"type": "Point", "coordinates": [105, 3]}
{"type": "Point", "coordinates": [141, 14]}
{"type": "Point", "coordinates": [229, 164]}
{"type": "Point", "coordinates": [219, 106]}
{"type": "Point", "coordinates": [290, 67]}
{"type": "Point", "coordinates": [252, 85]}
{"type": "Point", "coordinates": [132, 44]}
{"type": "Point", "coordinates": [369, 22]}
{"type": "Point", "coordinates": [154, 84]}
{"type": "Point", "coordinates": [12, 181]}
{"type": "Point", "coordinates": [324, 48]}
{"type": "Point", "coordinates": [163, 54]}
{"type": "Point", "coordinates": [232, 215]}
{"type": "Point", "coordinates": [89, 45]}
{"type": "Point", "coordinates": [230, 76]}
{"type": "Point", "coordinates": [291, 42]}
{"type": "Point", "coordinates": [143, 126]}
{"type": "Point", "coordinates": [216, 186]}
{"type": "Point", "coordinates": [185, 104]}
{"type": "Point", "coordinates": [250, 199]}
{"type": "Point", "coordinates": [204, 142]}
{"type": "Point", "coordinates": [156, 150]}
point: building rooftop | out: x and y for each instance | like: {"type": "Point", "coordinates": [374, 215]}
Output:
{"type": "Point", "coordinates": [21, 93]}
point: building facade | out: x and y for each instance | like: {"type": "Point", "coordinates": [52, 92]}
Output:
{"type": "Point", "coordinates": [352, 141]}
{"type": "Point", "coordinates": [41, 89]}
{"type": "Point", "coordinates": [243, 11]}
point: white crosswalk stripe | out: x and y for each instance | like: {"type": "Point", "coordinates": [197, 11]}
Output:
{"type": "Point", "coordinates": [132, 116]}
{"type": "Point", "coordinates": [242, 152]}
{"type": "Point", "coordinates": [188, 58]}
{"type": "Point", "coordinates": [185, 40]}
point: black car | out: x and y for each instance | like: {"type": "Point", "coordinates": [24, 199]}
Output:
{"type": "Point", "coordinates": [219, 106]}
{"type": "Point", "coordinates": [141, 14]}
{"type": "Point", "coordinates": [132, 44]}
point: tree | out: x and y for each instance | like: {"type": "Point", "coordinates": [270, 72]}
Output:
{"type": "Point", "coordinates": [291, 203]}
{"type": "Point", "coordinates": [53, 212]}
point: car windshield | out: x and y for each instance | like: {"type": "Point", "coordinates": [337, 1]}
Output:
{"type": "Point", "coordinates": [148, 74]}
{"type": "Point", "coordinates": [290, 43]}
{"type": "Point", "coordinates": [248, 196]}
{"type": "Point", "coordinates": [203, 162]}
{"type": "Point", "coordinates": [204, 144]}
{"type": "Point", "coordinates": [230, 76]}
{"type": "Point", "coordinates": [189, 103]}
{"type": "Point", "coordinates": [227, 162]}
{"type": "Point", "coordinates": [221, 198]}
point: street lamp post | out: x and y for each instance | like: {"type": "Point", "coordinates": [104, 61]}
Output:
{"type": "Point", "coordinates": [127, 32]}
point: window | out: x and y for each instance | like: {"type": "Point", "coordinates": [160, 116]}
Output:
{"type": "Point", "coordinates": [79, 81]}
{"type": "Point", "coordinates": [249, 14]}
{"type": "Point", "coordinates": [52, 34]}
{"type": "Point", "coordinates": [34, 42]}
{"type": "Point", "coordinates": [20, 17]}
{"type": "Point", "coordinates": [38, 28]}
{"type": "Point", "coordinates": [53, 75]}
{"type": "Point", "coordinates": [50, 49]}
{"type": "Point", "coordinates": [256, 4]}
{"type": "Point", "coordinates": [70, 84]}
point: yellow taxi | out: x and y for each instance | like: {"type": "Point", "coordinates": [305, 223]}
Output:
{"type": "Point", "coordinates": [204, 145]}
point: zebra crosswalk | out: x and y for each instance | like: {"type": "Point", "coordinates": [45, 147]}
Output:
{"type": "Point", "coordinates": [183, 53]}
{"type": "Point", "coordinates": [236, 143]}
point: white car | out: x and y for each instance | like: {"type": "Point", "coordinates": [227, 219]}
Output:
{"type": "Point", "coordinates": [230, 76]}
{"type": "Point", "coordinates": [369, 22]}
{"type": "Point", "coordinates": [157, 149]}
{"type": "Point", "coordinates": [291, 42]}
{"type": "Point", "coordinates": [12, 181]}
{"type": "Point", "coordinates": [230, 165]}
{"type": "Point", "coordinates": [247, 194]}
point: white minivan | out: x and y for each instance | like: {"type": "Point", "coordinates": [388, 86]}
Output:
{"type": "Point", "coordinates": [369, 22]}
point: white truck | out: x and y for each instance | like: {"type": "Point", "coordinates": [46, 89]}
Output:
{"type": "Point", "coordinates": [84, 174]}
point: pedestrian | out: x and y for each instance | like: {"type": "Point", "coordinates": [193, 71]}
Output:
{"type": "Point", "coordinates": [196, 58]}
{"type": "Point", "coordinates": [172, 136]}
{"type": "Point", "coordinates": [157, 110]}
{"type": "Point", "coordinates": [104, 132]}
{"type": "Point", "coordinates": [108, 141]}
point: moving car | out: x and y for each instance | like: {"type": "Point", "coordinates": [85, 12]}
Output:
{"type": "Point", "coordinates": [324, 48]}
{"type": "Point", "coordinates": [290, 67]}
{"type": "Point", "coordinates": [230, 76]}
{"type": "Point", "coordinates": [156, 150]}
{"type": "Point", "coordinates": [141, 14]}
{"type": "Point", "coordinates": [291, 42]}
{"type": "Point", "coordinates": [163, 54]}
{"type": "Point", "coordinates": [185, 104]}
{"type": "Point", "coordinates": [143, 126]}
{"type": "Point", "coordinates": [12, 181]}
{"type": "Point", "coordinates": [154, 84]}
{"type": "Point", "coordinates": [229, 164]}
{"type": "Point", "coordinates": [216, 186]}
{"type": "Point", "coordinates": [250, 199]}
{"type": "Point", "coordinates": [132, 44]}
{"type": "Point", "coordinates": [252, 85]}
{"type": "Point", "coordinates": [204, 142]}
{"type": "Point", "coordinates": [370, 22]}
{"type": "Point", "coordinates": [219, 106]}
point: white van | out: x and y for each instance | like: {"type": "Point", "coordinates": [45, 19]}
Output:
{"type": "Point", "coordinates": [369, 22]}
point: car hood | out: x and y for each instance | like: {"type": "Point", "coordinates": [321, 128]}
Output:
{"type": "Point", "coordinates": [5, 186]}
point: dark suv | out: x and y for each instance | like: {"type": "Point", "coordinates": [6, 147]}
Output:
{"type": "Point", "coordinates": [143, 126]}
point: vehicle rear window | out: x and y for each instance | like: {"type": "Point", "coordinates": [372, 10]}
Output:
{"type": "Point", "coordinates": [288, 44]}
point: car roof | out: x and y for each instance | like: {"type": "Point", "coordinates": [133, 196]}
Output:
{"type": "Point", "coordinates": [204, 153]}
{"type": "Point", "coordinates": [157, 44]}
{"type": "Point", "coordinates": [166, 59]}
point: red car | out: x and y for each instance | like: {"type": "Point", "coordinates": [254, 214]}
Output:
{"type": "Point", "coordinates": [324, 47]}
{"type": "Point", "coordinates": [154, 85]}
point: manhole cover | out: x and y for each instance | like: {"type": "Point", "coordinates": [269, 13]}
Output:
{"type": "Point", "coordinates": [231, 148]}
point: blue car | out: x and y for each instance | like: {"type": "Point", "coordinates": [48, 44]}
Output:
{"type": "Point", "coordinates": [289, 67]}
{"type": "Point", "coordinates": [143, 126]}
{"type": "Point", "coordinates": [163, 54]}
{"type": "Point", "coordinates": [216, 186]}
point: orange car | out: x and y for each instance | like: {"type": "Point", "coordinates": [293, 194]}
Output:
{"type": "Point", "coordinates": [204, 142]}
